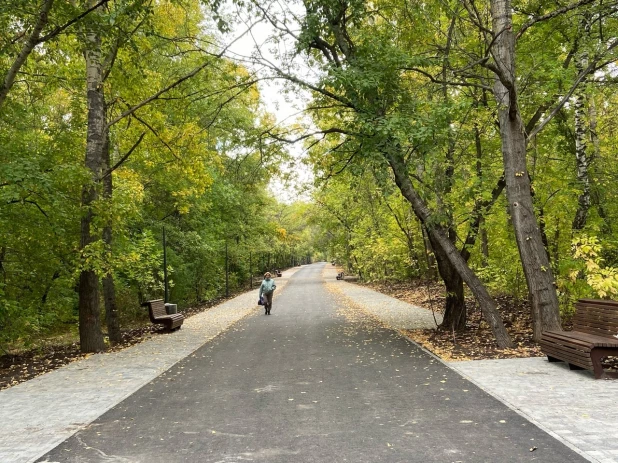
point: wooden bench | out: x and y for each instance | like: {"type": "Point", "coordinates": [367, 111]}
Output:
{"type": "Point", "coordinates": [159, 316]}
{"type": "Point", "coordinates": [595, 327]}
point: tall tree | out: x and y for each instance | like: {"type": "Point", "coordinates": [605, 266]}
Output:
{"type": "Point", "coordinates": [363, 76]}
{"type": "Point", "coordinates": [91, 337]}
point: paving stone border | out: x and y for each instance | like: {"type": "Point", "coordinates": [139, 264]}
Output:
{"type": "Point", "coordinates": [393, 312]}
{"type": "Point", "coordinates": [570, 405]}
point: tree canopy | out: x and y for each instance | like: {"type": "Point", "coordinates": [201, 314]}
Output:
{"type": "Point", "coordinates": [466, 139]}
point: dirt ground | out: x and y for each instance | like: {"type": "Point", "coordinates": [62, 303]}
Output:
{"type": "Point", "coordinates": [476, 342]}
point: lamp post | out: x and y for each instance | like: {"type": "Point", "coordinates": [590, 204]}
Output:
{"type": "Point", "coordinates": [166, 296]}
{"type": "Point", "coordinates": [227, 273]}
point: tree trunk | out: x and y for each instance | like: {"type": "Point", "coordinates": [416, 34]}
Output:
{"type": "Point", "coordinates": [545, 310]}
{"type": "Point", "coordinates": [440, 238]}
{"type": "Point", "coordinates": [481, 218]}
{"type": "Point", "coordinates": [484, 243]}
{"type": "Point", "coordinates": [91, 337]}
{"type": "Point", "coordinates": [581, 155]}
{"type": "Point", "coordinates": [109, 289]}
{"type": "Point", "coordinates": [455, 314]}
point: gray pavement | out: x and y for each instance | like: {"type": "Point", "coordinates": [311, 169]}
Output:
{"type": "Point", "coordinates": [570, 405]}
{"type": "Point", "coordinates": [393, 312]}
{"type": "Point", "coordinates": [319, 380]}
{"type": "Point", "coordinates": [39, 414]}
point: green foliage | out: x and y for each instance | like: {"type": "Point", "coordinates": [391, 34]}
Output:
{"type": "Point", "coordinates": [585, 274]}
{"type": "Point", "coordinates": [412, 79]}
{"type": "Point", "coordinates": [198, 166]}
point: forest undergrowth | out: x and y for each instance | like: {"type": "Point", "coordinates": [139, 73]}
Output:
{"type": "Point", "coordinates": [476, 342]}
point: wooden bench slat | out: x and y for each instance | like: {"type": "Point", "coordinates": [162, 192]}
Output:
{"type": "Point", "coordinates": [605, 302]}
{"type": "Point", "coordinates": [589, 340]}
{"type": "Point", "coordinates": [610, 318]}
{"type": "Point", "coordinates": [597, 305]}
{"type": "Point", "coordinates": [604, 311]}
{"type": "Point", "coordinates": [566, 337]}
{"type": "Point", "coordinates": [597, 308]}
{"type": "Point", "coordinates": [605, 321]}
{"type": "Point", "coordinates": [584, 362]}
{"type": "Point", "coordinates": [566, 350]}
{"type": "Point", "coordinates": [595, 328]}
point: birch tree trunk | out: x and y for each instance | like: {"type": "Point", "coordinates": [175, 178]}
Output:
{"type": "Point", "coordinates": [544, 301]}
{"type": "Point", "coordinates": [90, 335]}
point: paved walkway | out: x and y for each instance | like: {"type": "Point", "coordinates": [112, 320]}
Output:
{"type": "Point", "coordinates": [322, 385]}
{"type": "Point", "coordinates": [395, 313]}
{"type": "Point", "coordinates": [570, 405]}
{"type": "Point", "coordinates": [39, 414]}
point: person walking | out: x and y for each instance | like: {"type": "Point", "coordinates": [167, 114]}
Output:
{"type": "Point", "coordinates": [267, 288]}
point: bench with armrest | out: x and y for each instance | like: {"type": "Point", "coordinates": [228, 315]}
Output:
{"type": "Point", "coordinates": [159, 316]}
{"type": "Point", "coordinates": [594, 336]}
{"type": "Point", "coordinates": [340, 276]}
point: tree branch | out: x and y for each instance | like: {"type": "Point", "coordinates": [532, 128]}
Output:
{"type": "Point", "coordinates": [551, 15]}
{"type": "Point", "coordinates": [26, 49]}
{"type": "Point", "coordinates": [593, 66]}
{"type": "Point", "coordinates": [125, 157]}
{"type": "Point", "coordinates": [173, 85]}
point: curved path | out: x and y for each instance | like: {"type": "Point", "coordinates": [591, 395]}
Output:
{"type": "Point", "coordinates": [317, 381]}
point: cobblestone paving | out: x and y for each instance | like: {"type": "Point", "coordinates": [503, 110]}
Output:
{"type": "Point", "coordinates": [570, 405]}
{"type": "Point", "coordinates": [37, 415]}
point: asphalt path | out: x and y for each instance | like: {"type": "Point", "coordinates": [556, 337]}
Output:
{"type": "Point", "coordinates": [316, 381]}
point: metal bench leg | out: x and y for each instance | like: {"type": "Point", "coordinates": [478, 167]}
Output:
{"type": "Point", "coordinates": [553, 359]}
